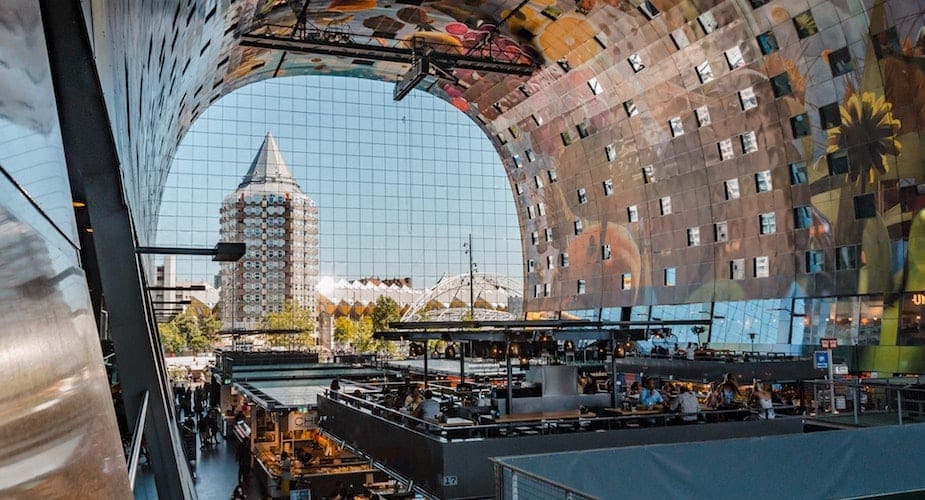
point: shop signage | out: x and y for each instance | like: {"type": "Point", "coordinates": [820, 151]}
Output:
{"type": "Point", "coordinates": [450, 481]}
{"type": "Point", "coordinates": [918, 299]}
{"type": "Point", "coordinates": [829, 342]}
{"type": "Point", "coordinates": [821, 359]}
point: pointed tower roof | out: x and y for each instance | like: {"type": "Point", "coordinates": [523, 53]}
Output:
{"type": "Point", "coordinates": [269, 167]}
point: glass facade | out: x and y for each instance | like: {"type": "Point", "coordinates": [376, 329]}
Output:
{"type": "Point", "coordinates": [399, 186]}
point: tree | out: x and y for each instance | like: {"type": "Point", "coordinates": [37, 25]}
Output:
{"type": "Point", "coordinates": [386, 311]}
{"type": "Point", "coordinates": [292, 317]}
{"type": "Point", "coordinates": [345, 330]}
{"type": "Point", "coordinates": [170, 338]}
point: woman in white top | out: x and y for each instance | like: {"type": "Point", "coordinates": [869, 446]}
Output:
{"type": "Point", "coordinates": [765, 405]}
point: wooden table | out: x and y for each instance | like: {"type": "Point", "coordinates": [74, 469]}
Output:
{"type": "Point", "coordinates": [636, 413]}
{"type": "Point", "coordinates": [456, 422]}
{"type": "Point", "coordinates": [540, 416]}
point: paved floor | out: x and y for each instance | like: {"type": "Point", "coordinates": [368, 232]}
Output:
{"type": "Point", "coordinates": [216, 476]}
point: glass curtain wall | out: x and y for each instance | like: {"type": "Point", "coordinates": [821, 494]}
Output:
{"type": "Point", "coordinates": [398, 185]}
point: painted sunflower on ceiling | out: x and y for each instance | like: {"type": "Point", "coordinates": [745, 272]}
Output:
{"type": "Point", "coordinates": [868, 133]}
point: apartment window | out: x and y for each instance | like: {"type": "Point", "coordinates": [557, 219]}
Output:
{"type": "Point", "coordinates": [648, 174]}
{"type": "Point", "coordinates": [566, 137]}
{"type": "Point", "coordinates": [517, 163]}
{"type": "Point", "coordinates": [605, 252]}
{"type": "Point", "coordinates": [531, 265]}
{"type": "Point", "coordinates": [721, 231]}
{"type": "Point", "coordinates": [767, 223]}
{"type": "Point", "coordinates": [886, 43]}
{"type": "Point", "coordinates": [693, 236]}
{"type": "Point", "coordinates": [582, 196]}
{"type": "Point", "coordinates": [519, 188]}
{"type": "Point", "coordinates": [595, 85]}
{"type": "Point", "coordinates": [725, 149]}
{"type": "Point", "coordinates": [747, 98]}
{"type": "Point", "coordinates": [840, 62]}
{"type": "Point", "coordinates": [537, 119]}
{"type": "Point", "coordinates": [737, 269]}
{"type": "Point", "coordinates": [803, 217]}
{"type": "Point", "coordinates": [550, 262]}
{"type": "Point", "coordinates": [540, 209]}
{"type": "Point", "coordinates": [838, 162]}
{"type": "Point", "coordinates": [530, 156]}
{"type": "Point", "coordinates": [762, 269]}
{"type": "Point", "coordinates": [530, 213]}
{"type": "Point", "coordinates": [553, 176]}
{"type": "Point", "coordinates": [579, 227]}
{"type": "Point", "coordinates": [632, 213]}
{"type": "Point", "coordinates": [664, 204]}
{"type": "Point", "coordinates": [563, 259]}
{"type": "Point", "coordinates": [830, 115]}
{"type": "Point", "coordinates": [749, 142]}
{"type": "Point", "coordinates": [548, 234]}
{"type": "Point", "coordinates": [708, 22]}
{"type": "Point", "coordinates": [800, 125]}
{"type": "Point", "coordinates": [780, 85]}
{"type": "Point", "coordinates": [757, 3]}
{"type": "Point", "coordinates": [703, 116]}
{"type": "Point", "coordinates": [534, 237]}
{"type": "Point", "coordinates": [502, 139]}
{"type": "Point", "coordinates": [584, 129]}
{"type": "Point", "coordinates": [538, 181]}
{"type": "Point", "coordinates": [732, 189]}
{"type": "Point", "coordinates": [513, 131]}
{"type": "Point", "coordinates": [626, 281]}
{"type": "Point", "coordinates": [763, 181]}
{"type": "Point", "coordinates": [704, 72]}
{"type": "Point", "coordinates": [846, 257]}
{"type": "Point", "coordinates": [648, 9]}
{"type": "Point", "coordinates": [537, 290]}
{"type": "Point", "coordinates": [815, 261]}
{"type": "Point", "coordinates": [798, 173]}
{"type": "Point", "coordinates": [581, 287]}
{"type": "Point", "coordinates": [608, 187]}
{"type": "Point", "coordinates": [611, 151]}
{"type": "Point", "coordinates": [636, 63]}
{"type": "Point", "coordinates": [805, 24]}
{"type": "Point", "coordinates": [734, 58]}
{"type": "Point", "coordinates": [767, 42]}
{"type": "Point", "coordinates": [865, 206]}
{"type": "Point", "coordinates": [671, 276]}
{"type": "Point", "coordinates": [547, 289]}
{"type": "Point", "coordinates": [680, 39]}
{"type": "Point", "coordinates": [630, 107]}
{"type": "Point", "coordinates": [677, 128]}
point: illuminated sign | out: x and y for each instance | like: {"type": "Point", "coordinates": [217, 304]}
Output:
{"type": "Point", "coordinates": [918, 299]}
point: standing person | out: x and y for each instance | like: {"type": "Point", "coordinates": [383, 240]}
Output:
{"type": "Point", "coordinates": [765, 403]}
{"type": "Point", "coordinates": [285, 476]}
{"type": "Point", "coordinates": [244, 461]}
{"type": "Point", "coordinates": [730, 389]}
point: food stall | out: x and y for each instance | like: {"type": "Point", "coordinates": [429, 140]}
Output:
{"type": "Point", "coordinates": [283, 417]}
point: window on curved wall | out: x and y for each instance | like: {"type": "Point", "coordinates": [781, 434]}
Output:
{"type": "Point", "coordinates": [681, 334]}
{"type": "Point", "coordinates": [768, 319]}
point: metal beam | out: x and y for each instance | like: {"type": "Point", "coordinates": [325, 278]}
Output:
{"type": "Point", "coordinates": [513, 336]}
{"type": "Point", "coordinates": [536, 324]}
{"type": "Point", "coordinates": [355, 50]}
{"type": "Point", "coordinates": [93, 168]}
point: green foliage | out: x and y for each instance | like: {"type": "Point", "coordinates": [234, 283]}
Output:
{"type": "Point", "coordinates": [359, 334]}
{"type": "Point", "coordinates": [386, 311]}
{"type": "Point", "coordinates": [345, 330]}
{"type": "Point", "coordinates": [292, 317]}
{"type": "Point", "coordinates": [171, 339]}
{"type": "Point", "coordinates": [187, 332]}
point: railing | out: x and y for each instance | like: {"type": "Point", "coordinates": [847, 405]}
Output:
{"type": "Point", "coordinates": [864, 404]}
{"type": "Point", "coordinates": [137, 438]}
{"type": "Point", "coordinates": [488, 427]}
{"type": "Point", "coordinates": [513, 482]}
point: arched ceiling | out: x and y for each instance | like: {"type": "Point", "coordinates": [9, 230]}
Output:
{"type": "Point", "coordinates": [646, 150]}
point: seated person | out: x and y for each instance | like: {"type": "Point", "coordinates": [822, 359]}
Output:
{"type": "Point", "coordinates": [413, 400]}
{"type": "Point", "coordinates": [649, 397]}
{"type": "Point", "coordinates": [633, 391]}
{"type": "Point", "coordinates": [429, 407]}
{"type": "Point", "coordinates": [730, 389]}
{"type": "Point", "coordinates": [686, 405]}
